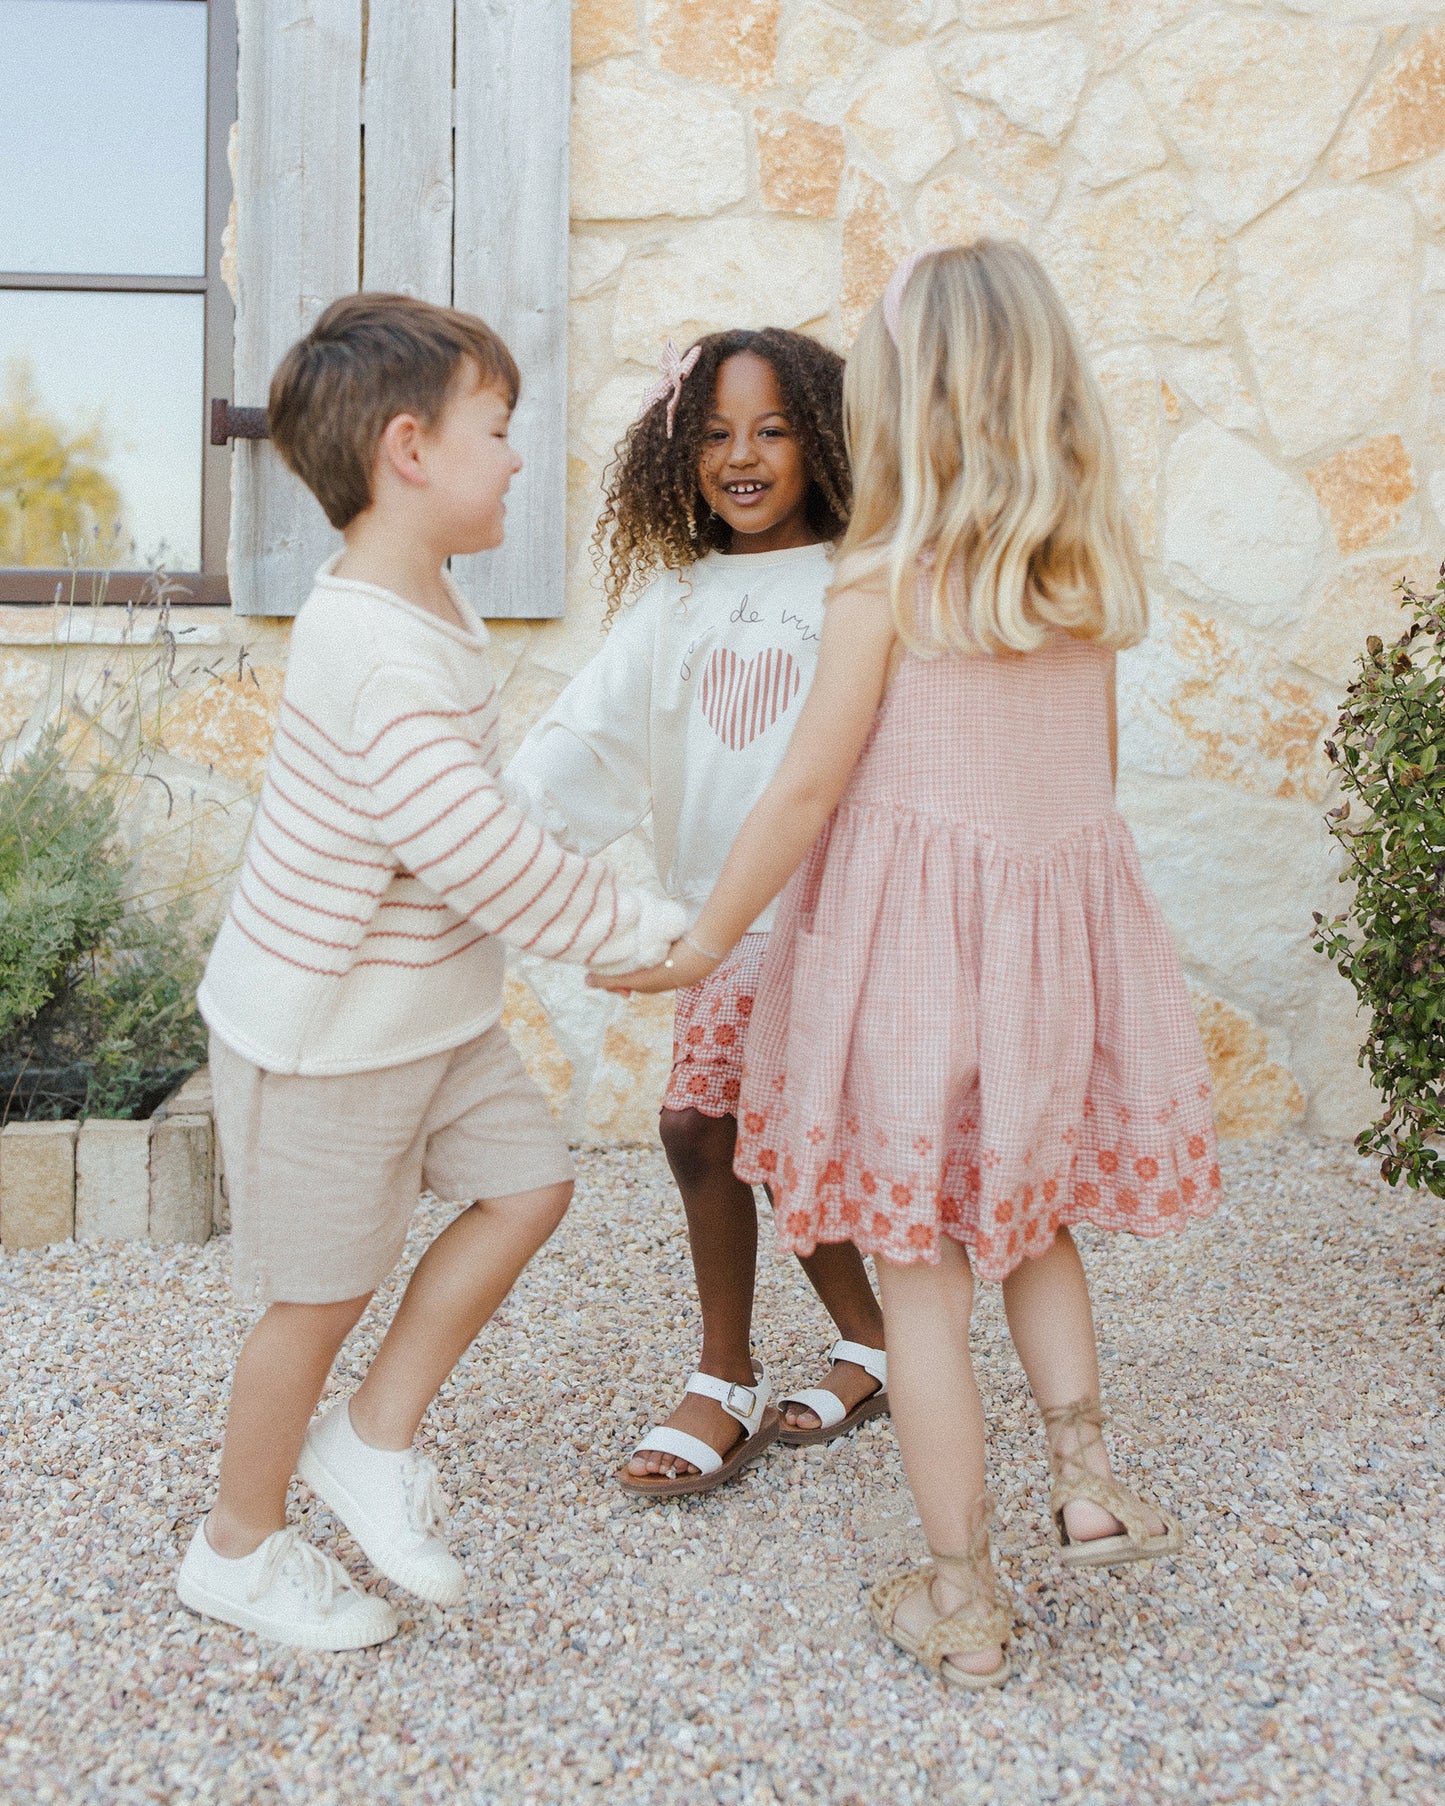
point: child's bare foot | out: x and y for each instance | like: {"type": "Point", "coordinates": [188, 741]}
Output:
{"type": "Point", "coordinates": [846, 1381]}
{"type": "Point", "coordinates": [921, 1610]}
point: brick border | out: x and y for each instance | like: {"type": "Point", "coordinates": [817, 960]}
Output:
{"type": "Point", "coordinates": [157, 1180]}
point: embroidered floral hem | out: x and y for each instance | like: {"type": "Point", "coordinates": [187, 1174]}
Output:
{"type": "Point", "coordinates": [890, 1193]}
{"type": "Point", "coordinates": [709, 1028]}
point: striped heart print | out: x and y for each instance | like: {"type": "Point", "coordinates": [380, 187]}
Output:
{"type": "Point", "coordinates": [743, 697]}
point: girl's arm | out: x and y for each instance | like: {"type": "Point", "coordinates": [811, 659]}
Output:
{"type": "Point", "coordinates": [852, 672]}
{"type": "Point", "coordinates": [584, 771]}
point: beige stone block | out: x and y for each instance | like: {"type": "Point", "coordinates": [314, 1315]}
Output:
{"type": "Point", "coordinates": [800, 163]}
{"type": "Point", "coordinates": [604, 416]}
{"type": "Point", "coordinates": [1238, 528]}
{"type": "Point", "coordinates": [955, 210]}
{"type": "Point", "coordinates": [1426, 185]}
{"type": "Point", "coordinates": [1401, 117]}
{"type": "Point", "coordinates": [1114, 136]}
{"type": "Point", "coordinates": [1208, 377]}
{"type": "Point", "coordinates": [530, 691]}
{"type": "Point", "coordinates": [1324, 295]}
{"type": "Point", "coordinates": [1025, 166]}
{"type": "Point", "coordinates": [602, 28]}
{"type": "Point", "coordinates": [1137, 261]}
{"type": "Point", "coordinates": [736, 44]}
{"type": "Point", "coordinates": [900, 116]}
{"type": "Point", "coordinates": [1363, 489]}
{"type": "Point", "coordinates": [1130, 386]}
{"type": "Point", "coordinates": [1034, 78]}
{"type": "Point", "coordinates": [226, 725]}
{"type": "Point", "coordinates": [985, 14]}
{"type": "Point", "coordinates": [1124, 25]}
{"type": "Point", "coordinates": [1215, 86]}
{"type": "Point", "coordinates": [24, 684]}
{"type": "Point", "coordinates": [874, 240]}
{"type": "Point", "coordinates": [821, 56]}
{"type": "Point", "coordinates": [733, 272]}
{"type": "Point", "coordinates": [632, 1072]}
{"type": "Point", "coordinates": [183, 1179]}
{"type": "Point", "coordinates": [591, 258]}
{"type": "Point", "coordinates": [112, 1181]}
{"type": "Point", "coordinates": [899, 21]}
{"type": "Point", "coordinates": [37, 1184]}
{"type": "Point", "coordinates": [1202, 699]}
{"type": "Point", "coordinates": [645, 145]}
{"type": "Point", "coordinates": [1360, 600]}
{"type": "Point", "coordinates": [1253, 1094]}
{"type": "Point", "coordinates": [526, 1022]}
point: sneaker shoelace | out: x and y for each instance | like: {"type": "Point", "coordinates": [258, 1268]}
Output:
{"type": "Point", "coordinates": [426, 1504]}
{"type": "Point", "coordinates": [322, 1580]}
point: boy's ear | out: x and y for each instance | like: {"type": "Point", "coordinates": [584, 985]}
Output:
{"type": "Point", "coordinates": [399, 448]}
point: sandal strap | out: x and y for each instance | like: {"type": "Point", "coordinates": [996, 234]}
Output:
{"type": "Point", "coordinates": [889, 1594]}
{"type": "Point", "coordinates": [745, 1403]}
{"type": "Point", "coordinates": [664, 1440]}
{"type": "Point", "coordinates": [1098, 1489]}
{"type": "Point", "coordinates": [826, 1406]}
{"type": "Point", "coordinates": [973, 1628]}
{"type": "Point", "coordinates": [873, 1361]}
{"type": "Point", "coordinates": [1076, 1415]}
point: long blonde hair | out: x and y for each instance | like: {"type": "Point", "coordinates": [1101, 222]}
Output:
{"type": "Point", "coordinates": [979, 441]}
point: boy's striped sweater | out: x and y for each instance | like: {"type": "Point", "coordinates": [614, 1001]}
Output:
{"type": "Point", "coordinates": [385, 868]}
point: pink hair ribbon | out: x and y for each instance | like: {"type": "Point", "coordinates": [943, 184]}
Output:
{"type": "Point", "coordinates": [897, 282]}
{"type": "Point", "coordinates": [668, 387]}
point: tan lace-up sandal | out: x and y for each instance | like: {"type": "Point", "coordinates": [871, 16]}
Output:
{"type": "Point", "coordinates": [980, 1623]}
{"type": "Point", "coordinates": [1074, 1480]}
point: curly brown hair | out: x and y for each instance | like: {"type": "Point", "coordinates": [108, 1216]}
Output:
{"type": "Point", "coordinates": [654, 516]}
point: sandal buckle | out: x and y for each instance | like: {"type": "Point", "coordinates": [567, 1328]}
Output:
{"type": "Point", "coordinates": [731, 1405]}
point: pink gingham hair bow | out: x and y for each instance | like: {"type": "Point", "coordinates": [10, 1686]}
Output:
{"type": "Point", "coordinates": [668, 387]}
{"type": "Point", "coordinates": [897, 282]}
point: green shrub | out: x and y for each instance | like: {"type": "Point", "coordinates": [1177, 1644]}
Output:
{"type": "Point", "coordinates": [97, 995]}
{"type": "Point", "coordinates": [1389, 943]}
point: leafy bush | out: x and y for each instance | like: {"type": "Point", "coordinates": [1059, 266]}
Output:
{"type": "Point", "coordinates": [1389, 943]}
{"type": "Point", "coordinates": [99, 962]}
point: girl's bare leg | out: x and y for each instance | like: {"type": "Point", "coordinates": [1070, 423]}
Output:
{"type": "Point", "coordinates": [938, 1416]}
{"type": "Point", "coordinates": [1046, 1301]}
{"type": "Point", "coordinates": [722, 1230]}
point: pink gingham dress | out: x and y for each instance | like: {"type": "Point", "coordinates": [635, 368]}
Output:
{"type": "Point", "coordinates": [971, 1020]}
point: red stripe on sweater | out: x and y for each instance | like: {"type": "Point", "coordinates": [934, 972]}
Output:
{"type": "Point", "coordinates": [276, 953]}
{"type": "Point", "coordinates": [381, 733]}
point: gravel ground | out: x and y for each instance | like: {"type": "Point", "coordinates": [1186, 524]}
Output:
{"type": "Point", "coordinates": [1276, 1374]}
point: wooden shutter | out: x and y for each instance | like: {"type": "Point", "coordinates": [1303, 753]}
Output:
{"type": "Point", "coordinates": [434, 162]}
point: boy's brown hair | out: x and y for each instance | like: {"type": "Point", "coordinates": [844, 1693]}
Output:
{"type": "Point", "coordinates": [366, 360]}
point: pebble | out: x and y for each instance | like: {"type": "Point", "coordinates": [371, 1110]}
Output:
{"type": "Point", "coordinates": [1275, 1375]}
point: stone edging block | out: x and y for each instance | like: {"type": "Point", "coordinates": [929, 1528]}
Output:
{"type": "Point", "coordinates": [158, 1180]}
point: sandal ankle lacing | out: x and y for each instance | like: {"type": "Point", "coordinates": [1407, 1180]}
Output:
{"type": "Point", "coordinates": [1073, 1479]}
{"type": "Point", "coordinates": [980, 1623]}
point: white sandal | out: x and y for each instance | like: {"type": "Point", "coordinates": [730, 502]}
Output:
{"type": "Point", "coordinates": [748, 1404]}
{"type": "Point", "coordinates": [835, 1418]}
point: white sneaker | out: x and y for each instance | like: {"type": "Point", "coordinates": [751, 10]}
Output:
{"type": "Point", "coordinates": [392, 1503]}
{"type": "Point", "coordinates": [286, 1591]}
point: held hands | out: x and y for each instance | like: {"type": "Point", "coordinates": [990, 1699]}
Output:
{"type": "Point", "coordinates": [686, 964]}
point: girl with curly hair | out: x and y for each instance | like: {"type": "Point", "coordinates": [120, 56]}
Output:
{"type": "Point", "coordinates": [721, 507]}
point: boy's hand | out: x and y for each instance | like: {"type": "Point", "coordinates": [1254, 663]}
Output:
{"type": "Point", "coordinates": [684, 966]}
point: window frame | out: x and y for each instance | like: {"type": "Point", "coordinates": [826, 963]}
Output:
{"type": "Point", "coordinates": [209, 586]}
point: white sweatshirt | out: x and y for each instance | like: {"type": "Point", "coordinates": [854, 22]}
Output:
{"type": "Point", "coordinates": [385, 867]}
{"type": "Point", "coordinates": [685, 712]}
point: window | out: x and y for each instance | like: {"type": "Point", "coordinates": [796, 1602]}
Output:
{"type": "Point", "coordinates": [115, 325]}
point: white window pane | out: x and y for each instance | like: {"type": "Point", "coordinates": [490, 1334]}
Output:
{"type": "Point", "coordinates": [103, 136]}
{"type": "Point", "coordinates": [101, 420]}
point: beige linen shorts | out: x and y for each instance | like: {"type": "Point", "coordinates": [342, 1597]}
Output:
{"type": "Point", "coordinates": [324, 1174]}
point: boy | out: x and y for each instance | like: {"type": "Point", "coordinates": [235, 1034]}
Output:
{"type": "Point", "coordinates": [354, 989]}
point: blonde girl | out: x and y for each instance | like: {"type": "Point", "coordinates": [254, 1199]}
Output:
{"type": "Point", "coordinates": [971, 1029]}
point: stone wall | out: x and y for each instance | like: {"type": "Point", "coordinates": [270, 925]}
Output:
{"type": "Point", "coordinates": [1243, 206]}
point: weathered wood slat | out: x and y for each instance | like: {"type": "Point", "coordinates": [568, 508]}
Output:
{"type": "Point", "coordinates": [510, 266]}
{"type": "Point", "coordinates": [298, 210]}
{"type": "Point", "coordinates": [407, 104]}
